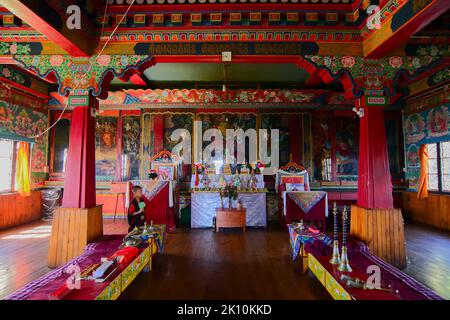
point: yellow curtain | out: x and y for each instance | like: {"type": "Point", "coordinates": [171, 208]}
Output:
{"type": "Point", "coordinates": [422, 191]}
{"type": "Point", "coordinates": [23, 169]}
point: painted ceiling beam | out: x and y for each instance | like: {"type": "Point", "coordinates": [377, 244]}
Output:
{"type": "Point", "coordinates": [404, 23]}
{"type": "Point", "coordinates": [51, 23]}
{"type": "Point", "coordinates": [231, 7]}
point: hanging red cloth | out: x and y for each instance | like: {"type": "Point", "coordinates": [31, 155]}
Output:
{"type": "Point", "coordinates": [196, 176]}
{"type": "Point", "coordinates": [422, 190]}
{"type": "Point", "coordinates": [23, 169]}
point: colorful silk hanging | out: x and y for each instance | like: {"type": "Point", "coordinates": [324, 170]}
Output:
{"type": "Point", "coordinates": [23, 169]}
{"type": "Point", "coordinates": [422, 190]}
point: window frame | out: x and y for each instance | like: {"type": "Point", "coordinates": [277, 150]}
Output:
{"type": "Point", "coordinates": [439, 168]}
{"type": "Point", "coordinates": [12, 182]}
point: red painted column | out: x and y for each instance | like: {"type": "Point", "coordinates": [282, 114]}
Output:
{"type": "Point", "coordinates": [79, 182]}
{"type": "Point", "coordinates": [374, 178]}
{"type": "Point", "coordinates": [158, 133]}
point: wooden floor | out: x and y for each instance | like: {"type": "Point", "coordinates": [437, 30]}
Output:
{"type": "Point", "coordinates": [201, 264]}
{"type": "Point", "coordinates": [24, 249]}
{"type": "Point", "coordinates": [428, 251]}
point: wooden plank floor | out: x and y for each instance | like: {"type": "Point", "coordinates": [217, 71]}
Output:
{"type": "Point", "coordinates": [24, 249]}
{"type": "Point", "coordinates": [199, 264]}
{"type": "Point", "coordinates": [231, 264]}
{"type": "Point", "coordinates": [428, 251]}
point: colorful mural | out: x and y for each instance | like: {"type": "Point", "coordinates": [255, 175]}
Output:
{"type": "Point", "coordinates": [15, 76]}
{"type": "Point", "coordinates": [192, 96]}
{"type": "Point", "coordinates": [321, 131]}
{"type": "Point", "coordinates": [224, 121]}
{"type": "Point", "coordinates": [81, 73]}
{"type": "Point", "coordinates": [131, 146]}
{"type": "Point", "coordinates": [280, 122]}
{"type": "Point", "coordinates": [23, 124]}
{"type": "Point", "coordinates": [427, 126]}
{"type": "Point", "coordinates": [175, 121]}
{"type": "Point", "coordinates": [373, 74]}
{"type": "Point", "coordinates": [347, 136]}
{"type": "Point", "coordinates": [147, 145]}
{"type": "Point", "coordinates": [105, 148]}
{"type": "Point", "coordinates": [335, 147]}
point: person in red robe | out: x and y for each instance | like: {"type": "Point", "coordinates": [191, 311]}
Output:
{"type": "Point", "coordinates": [136, 216]}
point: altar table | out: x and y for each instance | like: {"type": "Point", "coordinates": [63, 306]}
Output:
{"type": "Point", "coordinates": [316, 250]}
{"type": "Point", "coordinates": [305, 205]}
{"type": "Point", "coordinates": [111, 289]}
{"type": "Point", "coordinates": [204, 204]}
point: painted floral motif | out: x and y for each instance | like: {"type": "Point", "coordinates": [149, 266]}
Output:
{"type": "Point", "coordinates": [176, 96]}
{"type": "Point", "coordinates": [396, 62]}
{"type": "Point", "coordinates": [372, 74]}
{"type": "Point", "coordinates": [56, 61]}
{"type": "Point", "coordinates": [14, 48]}
{"type": "Point", "coordinates": [440, 76]}
{"type": "Point", "coordinates": [433, 50]}
{"type": "Point", "coordinates": [14, 75]}
{"type": "Point", "coordinates": [80, 72]}
{"type": "Point", "coordinates": [103, 60]}
{"type": "Point", "coordinates": [348, 61]}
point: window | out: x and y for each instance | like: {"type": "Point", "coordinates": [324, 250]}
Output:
{"type": "Point", "coordinates": [7, 165]}
{"type": "Point", "coordinates": [439, 166]}
{"type": "Point", "coordinates": [445, 166]}
{"type": "Point", "coordinates": [433, 174]}
{"type": "Point", "coordinates": [326, 169]}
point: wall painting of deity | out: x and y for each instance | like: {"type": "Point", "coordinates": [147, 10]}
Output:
{"type": "Point", "coordinates": [131, 147]}
{"type": "Point", "coordinates": [105, 148]}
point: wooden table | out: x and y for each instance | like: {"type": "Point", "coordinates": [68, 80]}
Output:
{"type": "Point", "coordinates": [230, 218]}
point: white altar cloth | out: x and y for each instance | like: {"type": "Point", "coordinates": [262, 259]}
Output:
{"type": "Point", "coordinates": [204, 204]}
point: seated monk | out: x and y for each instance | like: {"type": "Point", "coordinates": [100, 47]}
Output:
{"type": "Point", "coordinates": [136, 216]}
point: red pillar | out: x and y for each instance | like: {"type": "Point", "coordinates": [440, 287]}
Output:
{"type": "Point", "coordinates": [374, 178]}
{"type": "Point", "coordinates": [79, 182]}
{"type": "Point", "coordinates": [158, 133]}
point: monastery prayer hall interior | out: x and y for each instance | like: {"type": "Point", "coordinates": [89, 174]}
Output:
{"type": "Point", "coordinates": [224, 150]}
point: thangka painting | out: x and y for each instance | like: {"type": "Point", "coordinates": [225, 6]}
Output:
{"type": "Point", "coordinates": [322, 131]}
{"type": "Point", "coordinates": [347, 138]}
{"type": "Point", "coordinates": [429, 126]}
{"type": "Point", "coordinates": [224, 121]}
{"type": "Point", "coordinates": [131, 146]}
{"type": "Point", "coordinates": [280, 122]}
{"type": "Point", "coordinates": [25, 124]}
{"type": "Point", "coordinates": [105, 148]}
{"type": "Point", "coordinates": [173, 122]}
{"type": "Point", "coordinates": [147, 145]}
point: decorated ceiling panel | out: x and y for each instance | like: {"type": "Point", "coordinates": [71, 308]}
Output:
{"type": "Point", "coordinates": [142, 2]}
